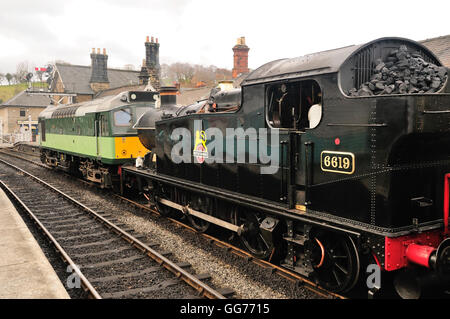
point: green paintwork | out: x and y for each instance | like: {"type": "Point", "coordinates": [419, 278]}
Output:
{"type": "Point", "coordinates": [75, 135]}
{"type": "Point", "coordinates": [83, 146]}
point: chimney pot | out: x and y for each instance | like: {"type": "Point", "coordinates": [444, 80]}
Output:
{"type": "Point", "coordinates": [99, 70]}
{"type": "Point", "coordinates": [152, 62]}
{"type": "Point", "coordinates": [240, 57]}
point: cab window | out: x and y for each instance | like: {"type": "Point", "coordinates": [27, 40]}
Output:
{"type": "Point", "coordinates": [294, 105]}
{"type": "Point", "coordinates": [122, 117]}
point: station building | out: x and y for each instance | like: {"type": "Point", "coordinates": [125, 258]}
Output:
{"type": "Point", "coordinates": [15, 114]}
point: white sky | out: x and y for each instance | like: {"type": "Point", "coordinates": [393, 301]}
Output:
{"type": "Point", "coordinates": [203, 32]}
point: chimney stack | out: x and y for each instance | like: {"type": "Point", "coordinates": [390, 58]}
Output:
{"type": "Point", "coordinates": [143, 75]}
{"type": "Point", "coordinates": [240, 57]}
{"type": "Point", "coordinates": [152, 62]}
{"type": "Point", "coordinates": [99, 73]}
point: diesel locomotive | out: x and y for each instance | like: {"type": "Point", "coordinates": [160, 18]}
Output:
{"type": "Point", "coordinates": [94, 138]}
{"type": "Point", "coordinates": [353, 179]}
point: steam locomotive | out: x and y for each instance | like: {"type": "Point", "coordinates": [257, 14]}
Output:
{"type": "Point", "coordinates": [358, 180]}
{"type": "Point", "coordinates": [326, 164]}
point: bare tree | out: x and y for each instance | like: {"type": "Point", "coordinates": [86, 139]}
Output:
{"type": "Point", "coordinates": [166, 72]}
{"type": "Point", "coordinates": [190, 75]}
{"type": "Point", "coordinates": [15, 78]}
{"type": "Point", "coordinates": [184, 72]}
{"type": "Point", "coordinates": [21, 71]}
{"type": "Point", "coordinates": [9, 77]}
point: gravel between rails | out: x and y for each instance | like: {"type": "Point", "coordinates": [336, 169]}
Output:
{"type": "Point", "coordinates": [227, 270]}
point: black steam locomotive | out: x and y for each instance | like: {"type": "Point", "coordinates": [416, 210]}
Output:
{"type": "Point", "coordinates": [326, 163]}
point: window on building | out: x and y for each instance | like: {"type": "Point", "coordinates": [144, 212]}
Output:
{"type": "Point", "coordinates": [22, 112]}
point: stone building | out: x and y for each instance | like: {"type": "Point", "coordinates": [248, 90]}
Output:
{"type": "Point", "coordinates": [15, 113]}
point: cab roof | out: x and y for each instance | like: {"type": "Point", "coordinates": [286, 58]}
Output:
{"type": "Point", "coordinates": [324, 62]}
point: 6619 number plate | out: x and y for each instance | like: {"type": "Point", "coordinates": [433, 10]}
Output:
{"type": "Point", "coordinates": [337, 162]}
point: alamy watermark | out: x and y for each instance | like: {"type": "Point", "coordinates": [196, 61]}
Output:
{"type": "Point", "coordinates": [374, 278]}
{"type": "Point", "coordinates": [241, 146]}
{"type": "Point", "coordinates": [73, 280]}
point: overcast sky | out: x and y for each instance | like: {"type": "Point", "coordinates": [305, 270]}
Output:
{"type": "Point", "coordinates": [203, 32]}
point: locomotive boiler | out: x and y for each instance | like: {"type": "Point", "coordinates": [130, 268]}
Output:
{"type": "Point", "coordinates": [358, 139]}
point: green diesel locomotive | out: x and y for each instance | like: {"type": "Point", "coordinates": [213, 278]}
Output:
{"type": "Point", "coordinates": [95, 138]}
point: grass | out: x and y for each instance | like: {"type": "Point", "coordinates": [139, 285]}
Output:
{"type": "Point", "coordinates": [9, 91]}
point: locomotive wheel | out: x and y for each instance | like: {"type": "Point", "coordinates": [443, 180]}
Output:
{"type": "Point", "coordinates": [201, 204]}
{"type": "Point", "coordinates": [335, 260]}
{"type": "Point", "coordinates": [162, 209]}
{"type": "Point", "coordinates": [252, 237]}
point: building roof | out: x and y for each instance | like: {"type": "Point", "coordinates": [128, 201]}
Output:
{"type": "Point", "coordinates": [76, 78]}
{"type": "Point", "coordinates": [188, 96]}
{"type": "Point", "coordinates": [24, 99]}
{"type": "Point", "coordinates": [117, 90]}
{"type": "Point", "coordinates": [441, 47]}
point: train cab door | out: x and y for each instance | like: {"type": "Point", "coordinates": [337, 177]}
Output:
{"type": "Point", "coordinates": [97, 132]}
{"type": "Point", "coordinates": [101, 131]}
{"type": "Point", "coordinates": [294, 107]}
{"type": "Point", "coordinates": [296, 186]}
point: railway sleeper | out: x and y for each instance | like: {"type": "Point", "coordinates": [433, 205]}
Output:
{"type": "Point", "coordinates": [126, 293]}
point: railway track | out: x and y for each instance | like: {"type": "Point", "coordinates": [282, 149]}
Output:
{"type": "Point", "coordinates": [232, 249]}
{"type": "Point", "coordinates": [107, 260]}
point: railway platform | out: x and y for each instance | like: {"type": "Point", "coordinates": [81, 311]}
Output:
{"type": "Point", "coordinates": [25, 272]}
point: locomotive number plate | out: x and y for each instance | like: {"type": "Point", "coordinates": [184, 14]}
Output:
{"type": "Point", "coordinates": [337, 162]}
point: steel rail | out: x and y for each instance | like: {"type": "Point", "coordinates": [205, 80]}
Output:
{"type": "Point", "coordinates": [85, 283]}
{"type": "Point", "coordinates": [283, 272]}
{"type": "Point", "coordinates": [202, 288]}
